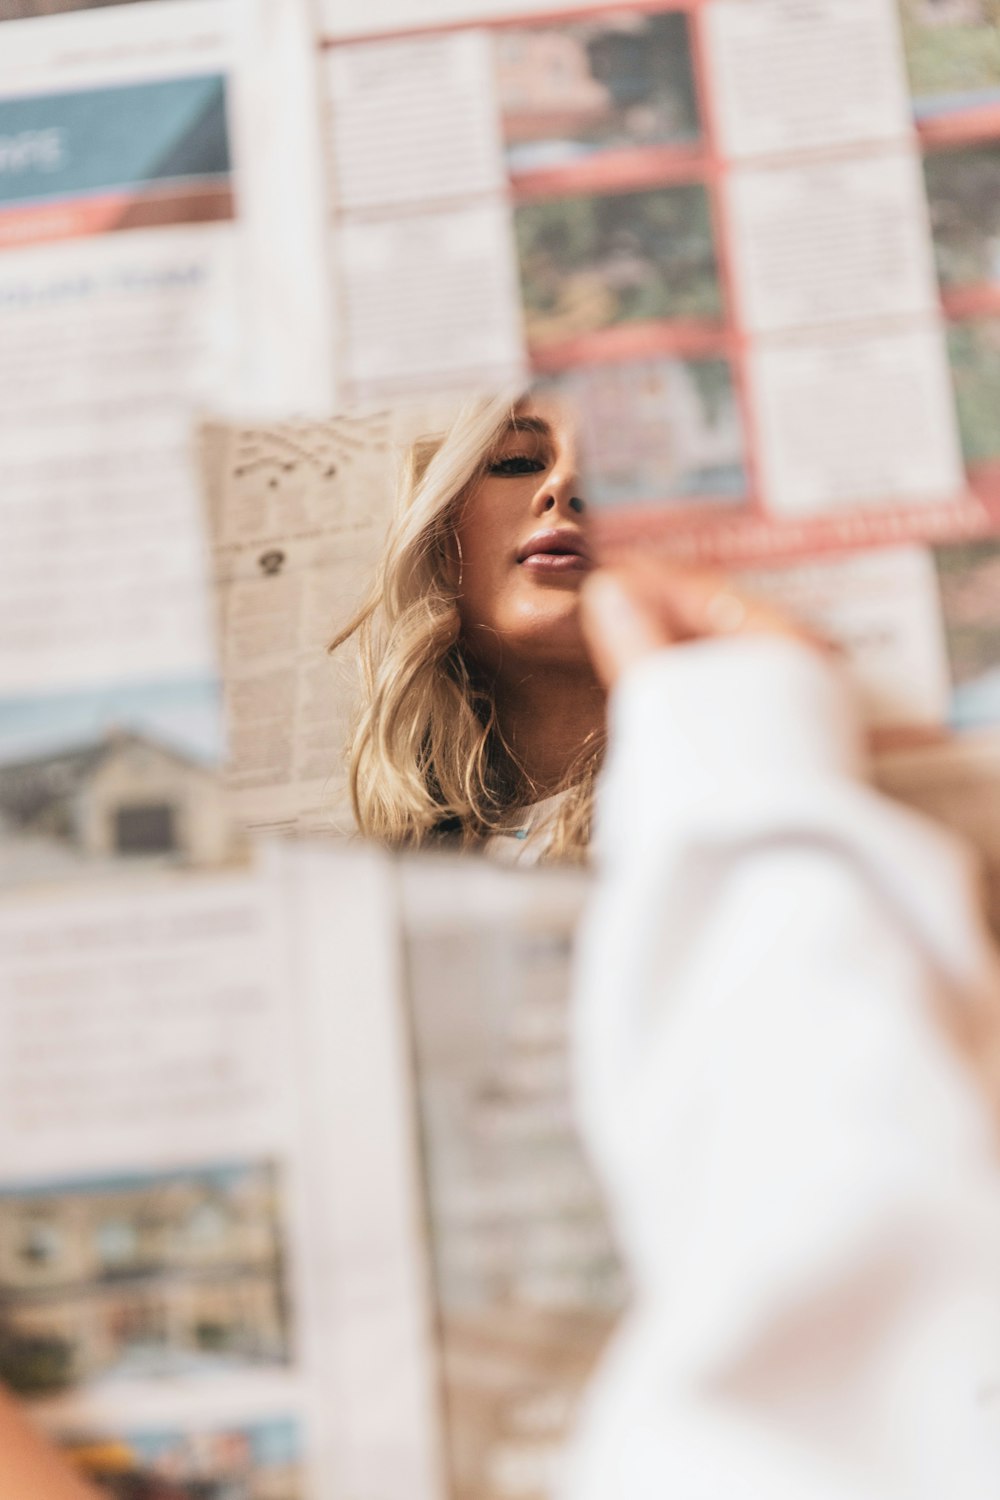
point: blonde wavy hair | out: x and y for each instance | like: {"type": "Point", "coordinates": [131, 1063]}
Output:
{"type": "Point", "coordinates": [427, 757]}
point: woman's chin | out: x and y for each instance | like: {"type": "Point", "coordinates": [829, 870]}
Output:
{"type": "Point", "coordinates": [551, 637]}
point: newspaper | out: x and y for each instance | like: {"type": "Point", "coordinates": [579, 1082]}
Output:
{"type": "Point", "coordinates": [209, 1271]}
{"type": "Point", "coordinates": [527, 1281]}
{"type": "Point", "coordinates": [298, 515]}
{"type": "Point", "coordinates": [211, 1266]}
{"type": "Point", "coordinates": [117, 248]}
{"type": "Point", "coordinates": [754, 245]}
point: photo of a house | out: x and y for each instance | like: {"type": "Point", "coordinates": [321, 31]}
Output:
{"type": "Point", "coordinates": [141, 1277]}
{"type": "Point", "coordinates": [17, 10]}
{"type": "Point", "coordinates": [259, 1461]}
{"type": "Point", "coordinates": [571, 89]}
{"type": "Point", "coordinates": [91, 780]}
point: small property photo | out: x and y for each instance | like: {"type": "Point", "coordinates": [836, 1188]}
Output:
{"type": "Point", "coordinates": [658, 432]}
{"type": "Point", "coordinates": [594, 261]}
{"type": "Point", "coordinates": [259, 1461]}
{"type": "Point", "coordinates": [127, 773]}
{"type": "Point", "coordinates": [963, 192]}
{"type": "Point", "coordinates": [617, 81]}
{"type": "Point", "coordinates": [952, 53]}
{"type": "Point", "coordinates": [974, 353]}
{"type": "Point", "coordinates": [178, 1273]}
{"type": "Point", "coordinates": [969, 580]}
{"type": "Point", "coordinates": [18, 10]}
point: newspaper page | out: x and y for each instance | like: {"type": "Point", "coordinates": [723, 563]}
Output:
{"type": "Point", "coordinates": [527, 1281]}
{"type": "Point", "coordinates": [117, 238]}
{"type": "Point", "coordinates": [235, 1110]}
{"type": "Point", "coordinates": [298, 515]}
{"type": "Point", "coordinates": [211, 1274]}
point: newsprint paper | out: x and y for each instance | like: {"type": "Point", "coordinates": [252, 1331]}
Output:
{"type": "Point", "coordinates": [298, 513]}
{"type": "Point", "coordinates": [291, 1206]}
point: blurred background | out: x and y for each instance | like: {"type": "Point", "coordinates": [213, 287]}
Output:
{"type": "Point", "coordinates": [250, 250]}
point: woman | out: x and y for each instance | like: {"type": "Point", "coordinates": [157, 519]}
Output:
{"type": "Point", "coordinates": [482, 715]}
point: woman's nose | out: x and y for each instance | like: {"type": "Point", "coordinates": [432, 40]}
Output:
{"type": "Point", "coordinates": [557, 497]}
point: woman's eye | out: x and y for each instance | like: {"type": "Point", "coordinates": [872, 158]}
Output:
{"type": "Point", "coordinates": [517, 463]}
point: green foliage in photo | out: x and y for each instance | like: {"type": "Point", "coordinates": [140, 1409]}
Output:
{"type": "Point", "coordinates": [594, 261]}
{"type": "Point", "coordinates": [951, 57]}
{"type": "Point", "coordinates": [974, 350]}
{"type": "Point", "coordinates": [963, 193]}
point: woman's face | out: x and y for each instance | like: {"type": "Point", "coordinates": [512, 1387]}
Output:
{"type": "Point", "coordinates": [522, 551]}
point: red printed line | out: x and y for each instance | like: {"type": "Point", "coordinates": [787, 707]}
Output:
{"type": "Point", "coordinates": [107, 213]}
{"type": "Point", "coordinates": [963, 127]}
{"type": "Point", "coordinates": [616, 172]}
{"type": "Point", "coordinates": [985, 480]}
{"type": "Point", "coordinates": [507, 22]}
{"type": "Point", "coordinates": [970, 301]}
{"type": "Point", "coordinates": [661, 520]}
{"type": "Point", "coordinates": [742, 539]}
{"type": "Point", "coordinates": [629, 341]}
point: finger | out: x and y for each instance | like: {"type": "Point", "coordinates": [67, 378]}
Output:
{"type": "Point", "coordinates": [619, 626]}
{"type": "Point", "coordinates": [706, 603]}
{"type": "Point", "coordinates": [702, 602]}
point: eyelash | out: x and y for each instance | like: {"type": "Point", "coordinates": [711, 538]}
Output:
{"type": "Point", "coordinates": [507, 468]}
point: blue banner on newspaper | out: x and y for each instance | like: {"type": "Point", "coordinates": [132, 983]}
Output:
{"type": "Point", "coordinates": [96, 160]}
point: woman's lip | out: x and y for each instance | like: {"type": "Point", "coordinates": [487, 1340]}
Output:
{"type": "Point", "coordinates": [558, 541]}
{"type": "Point", "coordinates": [557, 562]}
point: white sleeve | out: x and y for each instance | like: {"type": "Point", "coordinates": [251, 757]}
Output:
{"type": "Point", "coordinates": [784, 992]}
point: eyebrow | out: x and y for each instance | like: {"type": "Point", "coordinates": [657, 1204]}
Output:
{"type": "Point", "coordinates": [537, 425]}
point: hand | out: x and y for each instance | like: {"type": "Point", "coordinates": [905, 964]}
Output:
{"type": "Point", "coordinates": [30, 1469]}
{"type": "Point", "coordinates": [639, 606]}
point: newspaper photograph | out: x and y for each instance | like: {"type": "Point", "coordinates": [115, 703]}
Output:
{"type": "Point", "coordinates": [215, 1227]}
{"type": "Point", "coordinates": [260, 1461]}
{"type": "Point", "coordinates": [209, 1276]}
{"type": "Point", "coordinates": [19, 10]}
{"type": "Point", "coordinates": [953, 54]}
{"type": "Point", "coordinates": [95, 776]}
{"type": "Point", "coordinates": [572, 91]}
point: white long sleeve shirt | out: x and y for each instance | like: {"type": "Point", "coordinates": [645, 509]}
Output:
{"type": "Point", "coordinates": [785, 1004]}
